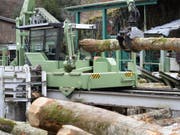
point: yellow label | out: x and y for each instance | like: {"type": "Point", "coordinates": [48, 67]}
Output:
{"type": "Point", "coordinates": [129, 74]}
{"type": "Point", "coordinates": [95, 76]}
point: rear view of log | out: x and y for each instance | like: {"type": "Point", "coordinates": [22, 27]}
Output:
{"type": "Point", "coordinates": [136, 44]}
{"type": "Point", "coordinates": [19, 128]}
{"type": "Point", "coordinates": [51, 114]}
{"type": "Point", "coordinates": [71, 130]}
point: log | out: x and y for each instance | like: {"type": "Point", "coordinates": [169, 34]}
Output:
{"type": "Point", "coordinates": [92, 45]}
{"type": "Point", "coordinates": [19, 128]}
{"type": "Point", "coordinates": [136, 44]}
{"type": "Point", "coordinates": [51, 114]}
{"type": "Point", "coordinates": [154, 115]}
{"type": "Point", "coordinates": [4, 133]}
{"type": "Point", "coordinates": [71, 130]}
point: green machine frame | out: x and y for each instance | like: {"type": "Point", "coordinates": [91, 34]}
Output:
{"type": "Point", "coordinates": [74, 72]}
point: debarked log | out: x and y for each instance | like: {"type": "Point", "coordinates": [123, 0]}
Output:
{"type": "Point", "coordinates": [51, 114]}
{"type": "Point", "coordinates": [19, 128]}
{"type": "Point", "coordinates": [136, 44]}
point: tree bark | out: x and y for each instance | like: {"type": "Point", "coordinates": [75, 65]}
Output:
{"type": "Point", "coordinates": [51, 114]}
{"type": "Point", "coordinates": [136, 44]}
{"type": "Point", "coordinates": [71, 130]}
{"type": "Point", "coordinates": [19, 128]}
{"type": "Point", "coordinates": [154, 115]}
{"type": "Point", "coordinates": [167, 122]}
{"type": "Point", "coordinates": [93, 45]}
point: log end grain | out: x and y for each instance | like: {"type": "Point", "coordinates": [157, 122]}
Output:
{"type": "Point", "coordinates": [71, 130]}
{"type": "Point", "coordinates": [33, 112]}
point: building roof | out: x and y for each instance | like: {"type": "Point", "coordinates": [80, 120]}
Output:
{"type": "Point", "coordinates": [165, 29]}
{"type": "Point", "coordinates": [7, 19]}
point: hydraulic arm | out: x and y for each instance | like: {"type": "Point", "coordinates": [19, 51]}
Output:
{"type": "Point", "coordinates": [133, 13]}
{"type": "Point", "coordinates": [23, 19]}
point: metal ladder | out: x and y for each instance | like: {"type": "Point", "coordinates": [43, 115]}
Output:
{"type": "Point", "coordinates": [17, 83]}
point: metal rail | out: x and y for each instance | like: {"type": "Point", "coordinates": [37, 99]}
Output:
{"type": "Point", "coordinates": [149, 75]}
{"type": "Point", "coordinates": [108, 5]}
{"type": "Point", "coordinates": [170, 79]}
{"type": "Point", "coordinates": [140, 98]}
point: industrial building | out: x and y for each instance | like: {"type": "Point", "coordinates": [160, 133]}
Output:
{"type": "Point", "coordinates": [114, 61]}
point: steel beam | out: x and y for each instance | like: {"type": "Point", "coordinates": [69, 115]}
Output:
{"type": "Point", "coordinates": [108, 5]}
{"type": "Point", "coordinates": [120, 99]}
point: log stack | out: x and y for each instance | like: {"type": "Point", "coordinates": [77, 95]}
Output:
{"type": "Point", "coordinates": [56, 117]}
{"type": "Point", "coordinates": [51, 114]}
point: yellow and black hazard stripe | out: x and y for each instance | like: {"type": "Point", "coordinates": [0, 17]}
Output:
{"type": "Point", "coordinates": [129, 74]}
{"type": "Point", "coordinates": [95, 76]}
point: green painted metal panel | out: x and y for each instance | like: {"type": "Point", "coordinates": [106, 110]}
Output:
{"type": "Point", "coordinates": [108, 5]}
{"type": "Point", "coordinates": [41, 59]}
{"type": "Point", "coordinates": [87, 81]}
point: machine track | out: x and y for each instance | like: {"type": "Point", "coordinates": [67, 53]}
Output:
{"type": "Point", "coordinates": [136, 91]}
{"type": "Point", "coordinates": [150, 98]}
{"type": "Point", "coordinates": [166, 92]}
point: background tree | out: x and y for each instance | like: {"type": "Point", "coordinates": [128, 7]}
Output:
{"type": "Point", "coordinates": [56, 7]}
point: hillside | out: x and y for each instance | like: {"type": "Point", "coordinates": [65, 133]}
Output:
{"type": "Point", "coordinates": [165, 11]}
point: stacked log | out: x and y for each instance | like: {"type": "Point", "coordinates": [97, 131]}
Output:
{"type": "Point", "coordinates": [52, 114]}
{"type": "Point", "coordinates": [10, 127]}
{"type": "Point", "coordinates": [154, 115]}
{"type": "Point", "coordinates": [136, 44]}
{"type": "Point", "coordinates": [19, 128]}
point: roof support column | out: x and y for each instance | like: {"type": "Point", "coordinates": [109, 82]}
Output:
{"type": "Point", "coordinates": [78, 20]}
{"type": "Point", "coordinates": [104, 26]}
{"type": "Point", "coordinates": [145, 28]}
{"type": "Point", "coordinates": [78, 17]}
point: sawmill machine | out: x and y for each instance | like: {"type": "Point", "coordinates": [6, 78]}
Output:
{"type": "Point", "coordinates": [40, 39]}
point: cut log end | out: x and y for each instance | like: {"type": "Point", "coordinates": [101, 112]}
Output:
{"type": "Point", "coordinates": [71, 130]}
{"type": "Point", "coordinates": [33, 113]}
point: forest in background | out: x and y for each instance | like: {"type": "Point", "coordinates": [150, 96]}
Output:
{"type": "Point", "coordinates": [165, 11]}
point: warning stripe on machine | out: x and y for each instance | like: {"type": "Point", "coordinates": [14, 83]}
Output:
{"type": "Point", "coordinates": [95, 76]}
{"type": "Point", "coordinates": [129, 74]}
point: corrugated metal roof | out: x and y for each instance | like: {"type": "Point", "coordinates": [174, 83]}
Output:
{"type": "Point", "coordinates": [7, 19]}
{"type": "Point", "coordinates": [164, 29]}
